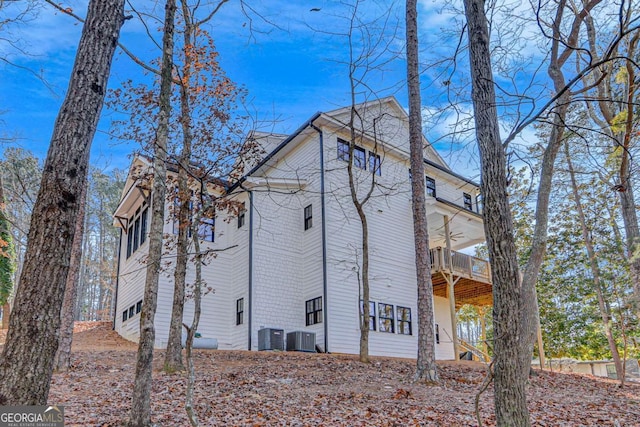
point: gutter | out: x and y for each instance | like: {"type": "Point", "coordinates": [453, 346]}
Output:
{"type": "Point", "coordinates": [308, 123]}
{"type": "Point", "coordinates": [450, 172]}
{"type": "Point", "coordinates": [115, 295]}
{"type": "Point", "coordinates": [325, 314]}
{"type": "Point", "coordinates": [250, 293]}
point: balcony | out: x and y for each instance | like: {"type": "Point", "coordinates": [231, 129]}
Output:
{"type": "Point", "coordinates": [471, 277]}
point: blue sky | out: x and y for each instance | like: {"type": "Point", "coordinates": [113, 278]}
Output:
{"type": "Point", "coordinates": [290, 70]}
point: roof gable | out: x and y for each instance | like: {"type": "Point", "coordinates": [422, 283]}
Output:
{"type": "Point", "coordinates": [386, 120]}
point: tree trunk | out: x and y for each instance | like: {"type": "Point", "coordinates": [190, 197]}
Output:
{"type": "Point", "coordinates": [595, 271]}
{"type": "Point", "coordinates": [173, 355]}
{"type": "Point", "coordinates": [197, 302]}
{"type": "Point", "coordinates": [509, 380]}
{"type": "Point", "coordinates": [141, 399]}
{"type": "Point", "coordinates": [562, 48]}
{"type": "Point", "coordinates": [63, 355]}
{"type": "Point", "coordinates": [32, 340]}
{"type": "Point", "coordinates": [426, 369]}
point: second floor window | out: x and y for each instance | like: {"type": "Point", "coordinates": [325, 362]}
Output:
{"type": "Point", "coordinates": [241, 215]}
{"type": "Point", "coordinates": [359, 154]}
{"type": "Point", "coordinates": [431, 186]}
{"type": "Point", "coordinates": [137, 230]}
{"type": "Point", "coordinates": [468, 203]}
{"type": "Point", "coordinates": [374, 163]}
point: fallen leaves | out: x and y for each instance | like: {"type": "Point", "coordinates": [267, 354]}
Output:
{"type": "Point", "coordinates": [240, 388]}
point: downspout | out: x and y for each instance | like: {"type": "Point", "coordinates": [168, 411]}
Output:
{"type": "Point", "coordinates": [325, 313]}
{"type": "Point", "coordinates": [250, 296]}
{"type": "Point", "coordinates": [115, 296]}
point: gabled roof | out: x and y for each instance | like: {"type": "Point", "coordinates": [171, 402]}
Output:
{"type": "Point", "coordinates": [340, 117]}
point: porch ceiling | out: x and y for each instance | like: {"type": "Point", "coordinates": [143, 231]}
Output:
{"type": "Point", "coordinates": [467, 291]}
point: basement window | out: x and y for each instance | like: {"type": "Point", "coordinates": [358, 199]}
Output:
{"type": "Point", "coordinates": [372, 314]}
{"type": "Point", "coordinates": [313, 310]}
{"type": "Point", "coordinates": [404, 320]}
{"type": "Point", "coordinates": [386, 318]}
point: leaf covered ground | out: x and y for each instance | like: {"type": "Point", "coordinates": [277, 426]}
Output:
{"type": "Point", "coordinates": [240, 388]}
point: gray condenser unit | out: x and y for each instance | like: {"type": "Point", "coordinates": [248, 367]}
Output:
{"type": "Point", "coordinates": [301, 341]}
{"type": "Point", "coordinates": [271, 339]}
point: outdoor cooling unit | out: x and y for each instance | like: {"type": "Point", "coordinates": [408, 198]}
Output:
{"type": "Point", "coordinates": [301, 341]}
{"type": "Point", "coordinates": [271, 339]}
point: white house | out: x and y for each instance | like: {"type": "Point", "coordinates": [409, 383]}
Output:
{"type": "Point", "coordinates": [292, 261]}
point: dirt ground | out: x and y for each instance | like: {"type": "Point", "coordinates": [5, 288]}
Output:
{"type": "Point", "coordinates": [240, 388]}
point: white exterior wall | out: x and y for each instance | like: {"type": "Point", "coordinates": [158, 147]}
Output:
{"type": "Point", "coordinates": [287, 264]}
{"type": "Point", "coordinates": [218, 311]}
{"type": "Point", "coordinates": [392, 269]}
{"type": "Point", "coordinates": [287, 260]}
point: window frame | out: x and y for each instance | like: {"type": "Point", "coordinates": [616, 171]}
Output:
{"type": "Point", "coordinates": [241, 215]}
{"type": "Point", "coordinates": [308, 216]}
{"type": "Point", "coordinates": [132, 311]}
{"type": "Point", "coordinates": [125, 315]}
{"type": "Point", "coordinates": [207, 229]}
{"type": "Point", "coordinates": [467, 201]}
{"type": "Point", "coordinates": [375, 167]}
{"type": "Point", "coordinates": [138, 306]}
{"type": "Point", "coordinates": [437, 333]}
{"type": "Point", "coordinates": [403, 322]}
{"type": "Point", "coordinates": [430, 186]}
{"type": "Point", "coordinates": [359, 154]}
{"type": "Point", "coordinates": [386, 320]}
{"type": "Point", "coordinates": [372, 314]}
{"type": "Point", "coordinates": [239, 311]}
{"type": "Point", "coordinates": [313, 311]}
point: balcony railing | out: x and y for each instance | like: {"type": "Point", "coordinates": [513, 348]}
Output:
{"type": "Point", "coordinates": [460, 264]}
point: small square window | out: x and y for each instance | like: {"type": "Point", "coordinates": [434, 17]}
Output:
{"type": "Point", "coordinates": [313, 311]}
{"type": "Point", "coordinates": [240, 311]}
{"type": "Point", "coordinates": [308, 217]}
{"type": "Point", "coordinates": [431, 186]}
{"type": "Point", "coordinates": [386, 318]}
{"type": "Point", "coordinates": [374, 163]}
{"type": "Point", "coordinates": [468, 203]}
{"type": "Point", "coordinates": [372, 314]}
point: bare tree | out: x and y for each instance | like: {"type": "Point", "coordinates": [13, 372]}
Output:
{"type": "Point", "coordinates": [141, 398]}
{"type": "Point", "coordinates": [28, 355]}
{"type": "Point", "coordinates": [426, 369]}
